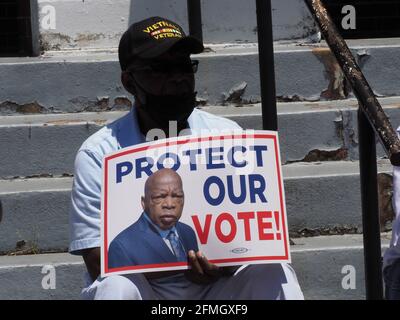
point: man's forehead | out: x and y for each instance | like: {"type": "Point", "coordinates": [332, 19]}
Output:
{"type": "Point", "coordinates": [166, 187]}
{"type": "Point", "coordinates": [165, 181]}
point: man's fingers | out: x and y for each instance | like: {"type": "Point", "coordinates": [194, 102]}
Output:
{"type": "Point", "coordinates": [201, 270]}
{"type": "Point", "coordinates": [194, 262]}
{"type": "Point", "coordinates": [207, 266]}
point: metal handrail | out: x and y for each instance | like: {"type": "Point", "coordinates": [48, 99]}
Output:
{"type": "Point", "coordinates": [267, 65]}
{"type": "Point", "coordinates": [266, 55]}
{"type": "Point", "coordinates": [194, 16]}
{"type": "Point", "coordinates": [371, 120]}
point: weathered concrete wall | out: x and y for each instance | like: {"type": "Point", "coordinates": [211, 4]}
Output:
{"type": "Point", "coordinates": [100, 23]}
{"type": "Point", "coordinates": [21, 277]}
{"type": "Point", "coordinates": [318, 131]}
{"type": "Point", "coordinates": [35, 218]}
{"type": "Point", "coordinates": [91, 82]}
{"type": "Point", "coordinates": [320, 276]}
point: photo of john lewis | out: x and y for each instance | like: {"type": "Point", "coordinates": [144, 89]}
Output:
{"type": "Point", "coordinates": [157, 237]}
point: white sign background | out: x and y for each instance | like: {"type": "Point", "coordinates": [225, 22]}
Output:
{"type": "Point", "coordinates": [121, 202]}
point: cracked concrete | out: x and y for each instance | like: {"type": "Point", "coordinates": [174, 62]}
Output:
{"type": "Point", "coordinates": [317, 131]}
{"type": "Point", "coordinates": [362, 56]}
{"type": "Point", "coordinates": [316, 232]}
{"type": "Point", "coordinates": [326, 155]}
{"type": "Point", "coordinates": [79, 104]}
{"type": "Point", "coordinates": [10, 107]}
{"type": "Point", "coordinates": [235, 94]}
{"type": "Point", "coordinates": [304, 73]}
{"type": "Point", "coordinates": [345, 123]}
{"type": "Point", "coordinates": [338, 87]}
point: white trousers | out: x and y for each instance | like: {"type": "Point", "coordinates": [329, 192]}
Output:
{"type": "Point", "coordinates": [266, 281]}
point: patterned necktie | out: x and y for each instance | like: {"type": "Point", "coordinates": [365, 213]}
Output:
{"type": "Point", "coordinates": [176, 246]}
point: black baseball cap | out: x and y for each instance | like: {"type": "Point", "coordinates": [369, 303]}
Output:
{"type": "Point", "coordinates": [152, 37]}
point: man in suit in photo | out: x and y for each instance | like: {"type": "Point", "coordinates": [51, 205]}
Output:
{"type": "Point", "coordinates": [157, 237]}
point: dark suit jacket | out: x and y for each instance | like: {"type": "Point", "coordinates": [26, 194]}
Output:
{"type": "Point", "coordinates": [141, 244]}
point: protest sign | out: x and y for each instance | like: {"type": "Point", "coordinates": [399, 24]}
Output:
{"type": "Point", "coordinates": [231, 204]}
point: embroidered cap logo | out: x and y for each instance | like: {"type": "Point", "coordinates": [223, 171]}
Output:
{"type": "Point", "coordinates": [163, 29]}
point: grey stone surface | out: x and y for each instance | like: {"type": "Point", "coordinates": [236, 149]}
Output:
{"type": "Point", "coordinates": [321, 263]}
{"type": "Point", "coordinates": [307, 126]}
{"type": "Point", "coordinates": [318, 263]}
{"type": "Point", "coordinates": [99, 24]}
{"type": "Point", "coordinates": [47, 144]}
{"type": "Point", "coordinates": [375, 72]}
{"type": "Point", "coordinates": [36, 210]}
{"type": "Point", "coordinates": [320, 274]}
{"type": "Point", "coordinates": [21, 277]}
{"type": "Point", "coordinates": [35, 214]}
{"type": "Point", "coordinates": [59, 85]}
{"type": "Point", "coordinates": [90, 81]}
{"type": "Point", "coordinates": [42, 150]}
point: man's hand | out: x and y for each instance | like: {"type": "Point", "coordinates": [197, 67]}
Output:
{"type": "Point", "coordinates": [201, 270]}
{"type": "Point", "coordinates": [92, 260]}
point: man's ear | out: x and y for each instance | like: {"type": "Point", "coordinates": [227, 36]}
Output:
{"type": "Point", "coordinates": [128, 82]}
{"type": "Point", "coordinates": [143, 203]}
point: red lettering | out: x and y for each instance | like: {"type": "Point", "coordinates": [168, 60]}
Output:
{"type": "Point", "coordinates": [262, 226]}
{"type": "Point", "coordinates": [246, 216]}
{"type": "Point", "coordinates": [268, 225]}
{"type": "Point", "coordinates": [231, 235]}
{"type": "Point", "coordinates": [278, 234]}
{"type": "Point", "coordinates": [202, 233]}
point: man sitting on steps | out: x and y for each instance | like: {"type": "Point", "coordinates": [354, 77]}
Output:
{"type": "Point", "coordinates": [154, 55]}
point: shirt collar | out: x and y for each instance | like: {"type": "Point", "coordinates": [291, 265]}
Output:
{"type": "Point", "coordinates": [161, 232]}
{"type": "Point", "coordinates": [129, 133]}
{"type": "Point", "coordinates": [130, 130]}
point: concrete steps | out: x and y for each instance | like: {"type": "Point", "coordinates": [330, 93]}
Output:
{"type": "Point", "coordinates": [50, 104]}
{"type": "Point", "coordinates": [99, 24]}
{"type": "Point", "coordinates": [318, 263]}
{"type": "Point", "coordinates": [78, 80]}
{"type": "Point", "coordinates": [47, 143]}
{"type": "Point", "coordinates": [35, 211]}
{"type": "Point", "coordinates": [35, 214]}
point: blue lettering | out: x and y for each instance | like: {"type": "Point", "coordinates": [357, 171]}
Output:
{"type": "Point", "coordinates": [253, 190]}
{"type": "Point", "coordinates": [123, 169]}
{"type": "Point", "coordinates": [242, 197]}
{"type": "Point", "coordinates": [211, 158]}
{"type": "Point", "coordinates": [192, 154]}
{"type": "Point", "coordinates": [173, 156]}
{"type": "Point", "coordinates": [206, 190]}
{"type": "Point", "coordinates": [144, 165]}
{"type": "Point", "coordinates": [231, 157]}
{"type": "Point", "coordinates": [259, 150]}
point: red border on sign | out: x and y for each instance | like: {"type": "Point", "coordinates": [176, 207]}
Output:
{"type": "Point", "coordinates": [179, 142]}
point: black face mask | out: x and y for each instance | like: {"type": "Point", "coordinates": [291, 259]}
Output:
{"type": "Point", "coordinates": [170, 107]}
